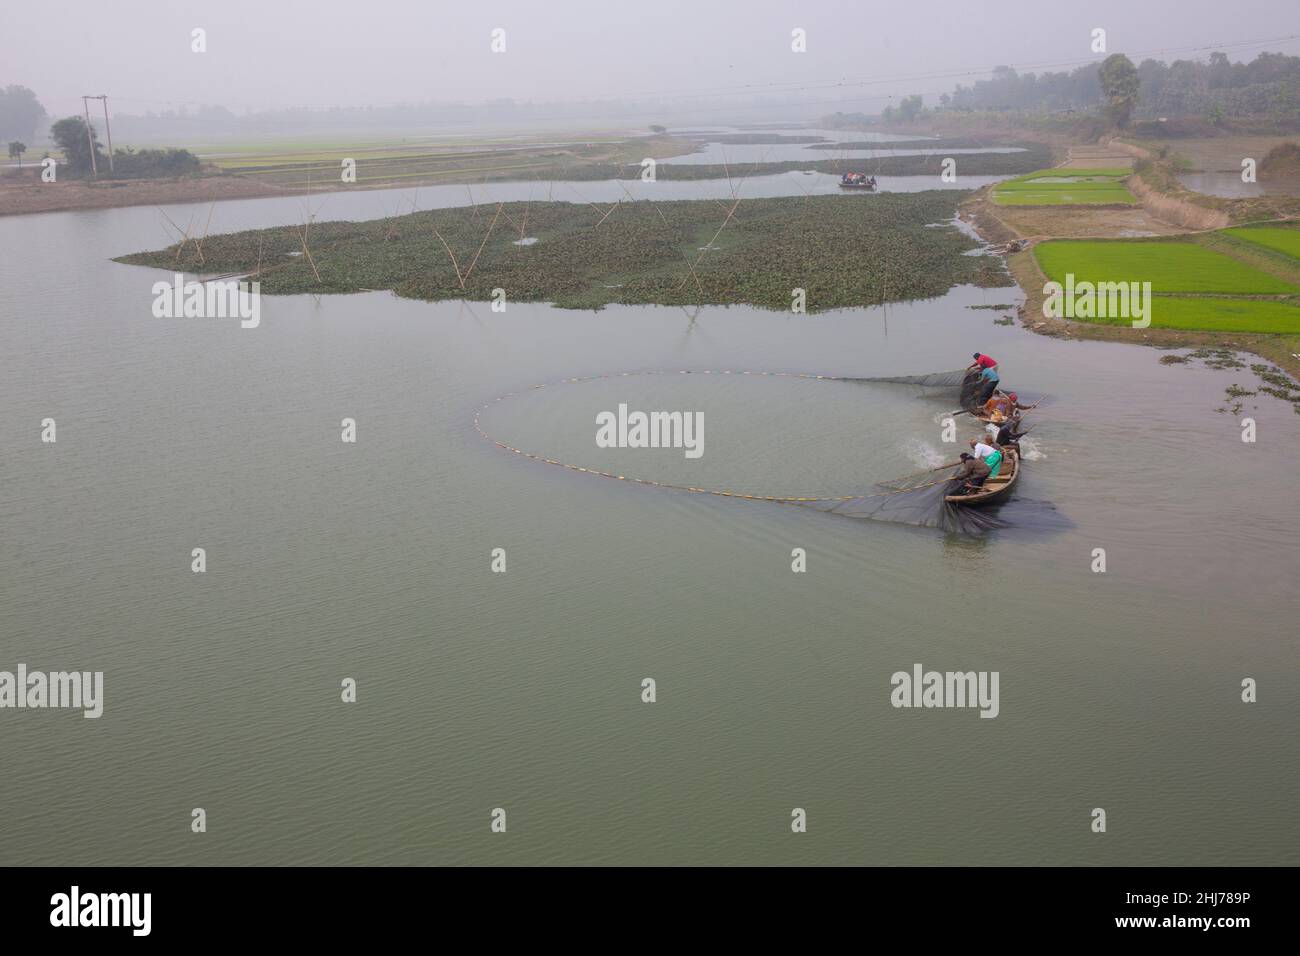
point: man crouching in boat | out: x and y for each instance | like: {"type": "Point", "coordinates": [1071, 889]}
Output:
{"type": "Point", "coordinates": [973, 473]}
{"type": "Point", "coordinates": [1009, 434]}
{"type": "Point", "coordinates": [988, 454]}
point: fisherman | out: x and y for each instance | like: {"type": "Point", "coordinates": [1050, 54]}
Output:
{"type": "Point", "coordinates": [973, 473]}
{"type": "Point", "coordinates": [988, 454]}
{"type": "Point", "coordinates": [998, 407]}
{"type": "Point", "coordinates": [1009, 434]}
{"type": "Point", "coordinates": [987, 366]}
{"type": "Point", "coordinates": [988, 369]}
{"type": "Point", "coordinates": [1014, 406]}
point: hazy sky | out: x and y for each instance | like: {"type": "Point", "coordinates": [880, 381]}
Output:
{"type": "Point", "coordinates": [275, 53]}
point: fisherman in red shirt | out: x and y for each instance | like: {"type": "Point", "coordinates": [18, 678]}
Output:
{"type": "Point", "coordinates": [988, 367]}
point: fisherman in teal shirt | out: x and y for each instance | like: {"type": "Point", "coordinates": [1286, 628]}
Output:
{"type": "Point", "coordinates": [990, 455]}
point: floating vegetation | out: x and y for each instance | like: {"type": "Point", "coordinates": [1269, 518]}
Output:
{"type": "Point", "coordinates": [629, 252]}
{"type": "Point", "coordinates": [1234, 394]}
{"type": "Point", "coordinates": [1173, 360]}
{"type": "Point", "coordinates": [1278, 384]}
{"type": "Point", "coordinates": [1005, 320]}
{"type": "Point", "coordinates": [1217, 358]}
{"type": "Point", "coordinates": [1000, 308]}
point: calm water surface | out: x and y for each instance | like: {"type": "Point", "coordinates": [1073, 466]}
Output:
{"type": "Point", "coordinates": [480, 690]}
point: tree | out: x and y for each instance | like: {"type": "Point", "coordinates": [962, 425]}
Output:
{"type": "Point", "coordinates": [909, 108]}
{"type": "Point", "coordinates": [21, 114]}
{"type": "Point", "coordinates": [1119, 84]}
{"type": "Point", "coordinates": [658, 129]}
{"type": "Point", "coordinates": [70, 135]}
{"type": "Point", "coordinates": [16, 150]}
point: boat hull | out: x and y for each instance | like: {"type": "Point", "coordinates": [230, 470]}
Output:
{"type": "Point", "coordinates": [996, 489]}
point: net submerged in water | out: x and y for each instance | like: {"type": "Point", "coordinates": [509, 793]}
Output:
{"type": "Point", "coordinates": [921, 505]}
{"type": "Point", "coordinates": [909, 500]}
{"type": "Point", "coordinates": [963, 385]}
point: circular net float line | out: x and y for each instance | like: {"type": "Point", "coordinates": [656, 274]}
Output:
{"type": "Point", "coordinates": [650, 482]}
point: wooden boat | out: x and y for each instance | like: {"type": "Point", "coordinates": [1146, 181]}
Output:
{"type": "Point", "coordinates": [869, 186]}
{"type": "Point", "coordinates": [995, 489]}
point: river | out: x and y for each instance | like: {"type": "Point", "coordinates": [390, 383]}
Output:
{"type": "Point", "coordinates": [522, 691]}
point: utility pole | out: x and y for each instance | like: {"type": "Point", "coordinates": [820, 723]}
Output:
{"type": "Point", "coordinates": [90, 138]}
{"type": "Point", "coordinates": [108, 131]}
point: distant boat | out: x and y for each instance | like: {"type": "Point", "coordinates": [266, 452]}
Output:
{"type": "Point", "coordinates": [867, 184]}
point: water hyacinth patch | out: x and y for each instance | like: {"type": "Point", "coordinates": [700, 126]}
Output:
{"type": "Point", "coordinates": [843, 253]}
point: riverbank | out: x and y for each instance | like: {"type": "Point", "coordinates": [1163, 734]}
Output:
{"type": "Point", "coordinates": [311, 169]}
{"type": "Point", "coordinates": [1167, 209]}
{"type": "Point", "coordinates": [319, 172]}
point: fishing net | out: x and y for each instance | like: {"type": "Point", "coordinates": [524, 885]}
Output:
{"type": "Point", "coordinates": [952, 380]}
{"type": "Point", "coordinates": [917, 499]}
{"type": "Point", "coordinates": [920, 504]}
{"type": "Point", "coordinates": [963, 386]}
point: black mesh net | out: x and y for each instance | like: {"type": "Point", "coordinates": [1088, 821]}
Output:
{"type": "Point", "coordinates": [963, 386]}
{"type": "Point", "coordinates": [920, 504]}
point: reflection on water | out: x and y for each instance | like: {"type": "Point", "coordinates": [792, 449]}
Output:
{"type": "Point", "coordinates": [717, 153]}
{"type": "Point", "coordinates": [1227, 185]}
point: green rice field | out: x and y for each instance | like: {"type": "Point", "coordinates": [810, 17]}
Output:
{"type": "Point", "coordinates": [1195, 287]}
{"type": "Point", "coordinates": [1066, 187]}
{"type": "Point", "coordinates": [1197, 314]}
{"type": "Point", "coordinates": [1170, 266]}
{"type": "Point", "coordinates": [1278, 238]}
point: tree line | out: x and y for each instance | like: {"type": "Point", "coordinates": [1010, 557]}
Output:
{"type": "Point", "coordinates": [1266, 87]}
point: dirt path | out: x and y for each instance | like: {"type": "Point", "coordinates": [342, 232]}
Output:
{"type": "Point", "coordinates": [18, 199]}
{"type": "Point", "coordinates": [1097, 157]}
